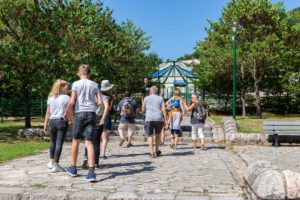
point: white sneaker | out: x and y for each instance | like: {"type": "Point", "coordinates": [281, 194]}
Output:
{"type": "Point", "coordinates": [58, 169]}
{"type": "Point", "coordinates": [50, 165]}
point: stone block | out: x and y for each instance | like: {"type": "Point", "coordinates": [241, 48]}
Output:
{"type": "Point", "coordinates": [269, 185]}
{"type": "Point", "coordinates": [10, 193]}
{"type": "Point", "coordinates": [255, 169]}
{"type": "Point", "coordinates": [292, 184]}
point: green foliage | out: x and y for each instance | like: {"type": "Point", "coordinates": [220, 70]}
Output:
{"type": "Point", "coordinates": [267, 51]}
{"type": "Point", "coordinates": [42, 41]}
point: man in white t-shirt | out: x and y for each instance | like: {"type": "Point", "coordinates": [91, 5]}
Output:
{"type": "Point", "coordinates": [84, 92]}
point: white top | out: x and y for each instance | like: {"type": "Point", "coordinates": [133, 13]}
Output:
{"type": "Point", "coordinates": [176, 119]}
{"type": "Point", "coordinates": [86, 91]}
{"type": "Point", "coordinates": [58, 105]}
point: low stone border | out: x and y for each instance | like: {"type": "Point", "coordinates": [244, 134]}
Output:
{"type": "Point", "coordinates": [232, 136]}
{"type": "Point", "coordinates": [38, 133]}
{"type": "Point", "coordinates": [267, 181]}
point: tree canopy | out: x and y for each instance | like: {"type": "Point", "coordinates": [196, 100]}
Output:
{"type": "Point", "coordinates": [267, 51]}
{"type": "Point", "coordinates": [48, 39]}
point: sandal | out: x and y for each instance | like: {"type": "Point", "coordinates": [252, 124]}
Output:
{"type": "Point", "coordinates": [121, 142]}
{"type": "Point", "coordinates": [158, 153]}
{"type": "Point", "coordinates": [152, 155]}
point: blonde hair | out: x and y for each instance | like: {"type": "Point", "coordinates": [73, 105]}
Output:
{"type": "Point", "coordinates": [57, 86]}
{"type": "Point", "coordinates": [176, 95]}
{"type": "Point", "coordinates": [84, 70]}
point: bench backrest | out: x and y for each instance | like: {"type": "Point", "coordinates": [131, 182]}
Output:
{"type": "Point", "coordinates": [281, 127]}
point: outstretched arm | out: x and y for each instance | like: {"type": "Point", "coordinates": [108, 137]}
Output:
{"type": "Point", "coordinates": [189, 108]}
{"type": "Point", "coordinates": [70, 105]}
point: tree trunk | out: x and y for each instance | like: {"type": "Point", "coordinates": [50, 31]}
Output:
{"type": "Point", "coordinates": [243, 92]}
{"type": "Point", "coordinates": [256, 87]}
{"type": "Point", "coordinates": [258, 108]}
{"type": "Point", "coordinates": [27, 111]}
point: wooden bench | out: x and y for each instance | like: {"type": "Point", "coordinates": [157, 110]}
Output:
{"type": "Point", "coordinates": [281, 128]}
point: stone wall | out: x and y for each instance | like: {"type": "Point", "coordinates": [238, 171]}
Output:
{"type": "Point", "coordinates": [38, 133]}
{"type": "Point", "coordinates": [232, 136]}
{"type": "Point", "coordinates": [267, 181]}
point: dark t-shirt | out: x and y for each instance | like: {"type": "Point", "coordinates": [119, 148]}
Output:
{"type": "Point", "coordinates": [194, 120]}
{"type": "Point", "coordinates": [146, 90]}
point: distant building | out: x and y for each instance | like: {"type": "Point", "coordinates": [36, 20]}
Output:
{"type": "Point", "coordinates": [176, 74]}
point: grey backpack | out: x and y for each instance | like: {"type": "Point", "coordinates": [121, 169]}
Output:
{"type": "Point", "coordinates": [201, 114]}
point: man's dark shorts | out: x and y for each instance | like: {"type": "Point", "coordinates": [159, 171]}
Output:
{"type": "Point", "coordinates": [150, 126]}
{"type": "Point", "coordinates": [84, 125]}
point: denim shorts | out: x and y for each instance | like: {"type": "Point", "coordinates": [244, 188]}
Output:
{"type": "Point", "coordinates": [107, 123]}
{"type": "Point", "coordinates": [84, 125]}
{"type": "Point", "coordinates": [150, 126]}
{"type": "Point", "coordinates": [177, 132]}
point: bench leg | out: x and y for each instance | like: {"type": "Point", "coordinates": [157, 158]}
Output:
{"type": "Point", "coordinates": [276, 140]}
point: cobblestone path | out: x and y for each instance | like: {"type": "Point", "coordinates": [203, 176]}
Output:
{"type": "Point", "coordinates": [129, 173]}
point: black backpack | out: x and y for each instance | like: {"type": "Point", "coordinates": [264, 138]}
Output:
{"type": "Point", "coordinates": [201, 114]}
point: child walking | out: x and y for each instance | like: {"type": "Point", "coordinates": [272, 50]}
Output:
{"type": "Point", "coordinates": [56, 105]}
{"type": "Point", "coordinates": [87, 96]}
{"type": "Point", "coordinates": [174, 121]}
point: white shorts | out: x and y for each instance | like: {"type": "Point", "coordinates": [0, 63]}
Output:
{"type": "Point", "coordinates": [197, 128]}
{"type": "Point", "coordinates": [130, 128]}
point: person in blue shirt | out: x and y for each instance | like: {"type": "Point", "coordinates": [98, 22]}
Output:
{"type": "Point", "coordinates": [128, 108]}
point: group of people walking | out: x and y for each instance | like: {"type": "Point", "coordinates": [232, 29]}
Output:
{"type": "Point", "coordinates": [92, 119]}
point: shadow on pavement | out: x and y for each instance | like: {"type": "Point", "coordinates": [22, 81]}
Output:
{"type": "Point", "coordinates": [129, 172]}
{"type": "Point", "coordinates": [179, 153]}
{"type": "Point", "coordinates": [129, 155]}
{"type": "Point", "coordinates": [125, 164]}
{"type": "Point", "coordinates": [218, 147]}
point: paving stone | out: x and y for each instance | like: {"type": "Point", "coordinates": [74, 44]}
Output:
{"type": "Point", "coordinates": [38, 194]}
{"type": "Point", "coordinates": [192, 197]}
{"type": "Point", "coordinates": [88, 195]}
{"type": "Point", "coordinates": [123, 196]}
{"type": "Point", "coordinates": [158, 196]}
{"type": "Point", "coordinates": [227, 198]}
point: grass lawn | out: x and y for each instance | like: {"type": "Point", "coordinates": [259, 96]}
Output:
{"type": "Point", "coordinates": [250, 124]}
{"type": "Point", "coordinates": [12, 146]}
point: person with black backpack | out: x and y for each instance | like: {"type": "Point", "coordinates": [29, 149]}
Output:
{"type": "Point", "coordinates": [198, 117]}
{"type": "Point", "coordinates": [128, 108]}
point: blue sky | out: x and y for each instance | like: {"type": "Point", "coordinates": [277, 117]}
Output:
{"type": "Point", "coordinates": [175, 25]}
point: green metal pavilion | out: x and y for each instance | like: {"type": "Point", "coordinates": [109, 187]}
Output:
{"type": "Point", "coordinates": [174, 74]}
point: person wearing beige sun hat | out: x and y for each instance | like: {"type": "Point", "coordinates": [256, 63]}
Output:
{"type": "Point", "coordinates": [105, 121]}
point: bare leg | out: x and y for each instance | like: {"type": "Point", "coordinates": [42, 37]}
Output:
{"type": "Point", "coordinates": [104, 141]}
{"type": "Point", "coordinates": [121, 134]}
{"type": "Point", "coordinates": [91, 152]}
{"type": "Point", "coordinates": [157, 142]}
{"type": "Point", "coordinates": [163, 136]}
{"type": "Point", "coordinates": [75, 145]}
{"type": "Point", "coordinates": [176, 139]}
{"type": "Point", "coordinates": [129, 139]}
{"type": "Point", "coordinates": [202, 143]}
{"type": "Point", "coordinates": [150, 142]}
{"type": "Point", "coordinates": [194, 144]}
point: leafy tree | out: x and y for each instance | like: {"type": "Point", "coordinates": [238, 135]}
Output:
{"type": "Point", "coordinates": [264, 38]}
{"type": "Point", "coordinates": [48, 39]}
